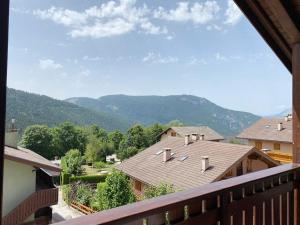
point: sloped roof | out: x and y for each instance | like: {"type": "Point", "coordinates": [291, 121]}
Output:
{"type": "Point", "coordinates": [149, 168]}
{"type": "Point", "coordinates": [29, 157]}
{"type": "Point", "coordinates": [209, 134]}
{"type": "Point", "coordinates": [266, 129]}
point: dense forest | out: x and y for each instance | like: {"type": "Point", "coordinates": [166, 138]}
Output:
{"type": "Point", "coordinates": [191, 110]}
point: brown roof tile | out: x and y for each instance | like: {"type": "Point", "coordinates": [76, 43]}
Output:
{"type": "Point", "coordinates": [29, 157]}
{"type": "Point", "coordinates": [266, 129]}
{"type": "Point", "coordinates": [149, 168]}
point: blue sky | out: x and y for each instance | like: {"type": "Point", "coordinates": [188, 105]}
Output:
{"type": "Point", "coordinates": [70, 48]}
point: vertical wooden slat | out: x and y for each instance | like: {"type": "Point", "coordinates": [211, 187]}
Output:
{"type": "Point", "coordinates": [4, 12]}
{"type": "Point", "coordinates": [157, 219]}
{"type": "Point", "coordinates": [276, 210]}
{"type": "Point", "coordinates": [176, 215]}
{"type": "Point", "coordinates": [284, 208]}
{"type": "Point", "coordinates": [268, 212]}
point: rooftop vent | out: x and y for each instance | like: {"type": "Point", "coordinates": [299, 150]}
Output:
{"type": "Point", "coordinates": [201, 137]}
{"type": "Point", "coordinates": [167, 154]}
{"type": "Point", "coordinates": [279, 126]}
{"type": "Point", "coordinates": [195, 137]}
{"type": "Point", "coordinates": [204, 163]}
{"type": "Point", "coordinates": [187, 139]}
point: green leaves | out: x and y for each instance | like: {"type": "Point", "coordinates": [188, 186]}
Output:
{"type": "Point", "coordinates": [71, 163]}
{"type": "Point", "coordinates": [162, 189]}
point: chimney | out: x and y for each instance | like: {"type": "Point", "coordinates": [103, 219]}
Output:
{"type": "Point", "coordinates": [195, 137]}
{"type": "Point", "coordinates": [201, 137]}
{"type": "Point", "coordinates": [11, 136]}
{"type": "Point", "coordinates": [286, 118]}
{"type": "Point", "coordinates": [167, 154]}
{"type": "Point", "coordinates": [279, 126]}
{"type": "Point", "coordinates": [187, 139]}
{"type": "Point", "coordinates": [204, 163]}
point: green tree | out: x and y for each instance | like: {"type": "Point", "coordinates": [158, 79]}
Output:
{"type": "Point", "coordinates": [115, 138]}
{"type": "Point", "coordinates": [136, 137]}
{"type": "Point", "coordinates": [175, 123]}
{"type": "Point", "coordinates": [153, 132]}
{"type": "Point", "coordinates": [72, 162]}
{"type": "Point", "coordinates": [126, 153]}
{"type": "Point", "coordinates": [97, 150]}
{"type": "Point", "coordinates": [70, 137]}
{"type": "Point", "coordinates": [116, 191]}
{"type": "Point", "coordinates": [39, 139]}
{"type": "Point", "coordinates": [162, 189]}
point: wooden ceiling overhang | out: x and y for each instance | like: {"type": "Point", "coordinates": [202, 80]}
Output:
{"type": "Point", "coordinates": [278, 22]}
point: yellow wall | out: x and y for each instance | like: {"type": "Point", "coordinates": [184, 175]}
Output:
{"type": "Point", "coordinates": [284, 147]}
{"type": "Point", "coordinates": [19, 183]}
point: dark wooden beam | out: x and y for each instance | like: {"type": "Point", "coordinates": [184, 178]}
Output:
{"type": "Point", "coordinates": [296, 103]}
{"type": "Point", "coordinates": [4, 18]}
{"type": "Point", "coordinates": [284, 19]}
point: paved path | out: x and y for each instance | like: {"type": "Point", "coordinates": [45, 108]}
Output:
{"type": "Point", "coordinates": [62, 211]}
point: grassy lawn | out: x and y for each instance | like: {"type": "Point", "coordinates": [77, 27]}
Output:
{"type": "Point", "coordinates": [93, 171]}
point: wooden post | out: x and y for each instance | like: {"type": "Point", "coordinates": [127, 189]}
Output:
{"type": "Point", "coordinates": [296, 103]}
{"type": "Point", "coordinates": [4, 12]}
{"type": "Point", "coordinates": [296, 127]}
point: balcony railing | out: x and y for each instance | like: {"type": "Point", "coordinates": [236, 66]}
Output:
{"type": "Point", "coordinates": [280, 156]}
{"type": "Point", "coordinates": [37, 200]}
{"type": "Point", "coordinates": [265, 197]}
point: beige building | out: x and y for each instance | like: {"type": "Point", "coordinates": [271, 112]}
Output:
{"type": "Point", "coordinates": [204, 132]}
{"type": "Point", "coordinates": [28, 190]}
{"type": "Point", "coordinates": [186, 163]}
{"type": "Point", "coordinates": [273, 136]}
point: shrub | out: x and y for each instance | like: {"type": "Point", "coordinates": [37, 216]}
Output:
{"type": "Point", "coordinates": [99, 165]}
{"type": "Point", "coordinates": [84, 194]}
{"type": "Point", "coordinates": [161, 189]}
{"type": "Point", "coordinates": [116, 191]}
{"type": "Point", "coordinates": [65, 178]}
{"type": "Point", "coordinates": [66, 193]}
{"type": "Point", "coordinates": [91, 179]}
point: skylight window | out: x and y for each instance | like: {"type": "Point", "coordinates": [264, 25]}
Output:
{"type": "Point", "coordinates": [181, 159]}
{"type": "Point", "coordinates": [267, 126]}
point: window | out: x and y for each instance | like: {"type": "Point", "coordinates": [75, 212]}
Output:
{"type": "Point", "coordinates": [258, 145]}
{"type": "Point", "coordinates": [137, 185]}
{"type": "Point", "coordinates": [173, 134]}
{"type": "Point", "coordinates": [276, 146]}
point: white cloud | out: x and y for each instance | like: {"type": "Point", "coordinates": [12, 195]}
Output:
{"type": "Point", "coordinates": [99, 30]}
{"type": "Point", "coordinates": [49, 64]}
{"type": "Point", "coordinates": [152, 57]}
{"type": "Point", "coordinates": [108, 19]}
{"type": "Point", "coordinates": [198, 13]}
{"type": "Point", "coordinates": [19, 10]}
{"type": "Point", "coordinates": [62, 16]}
{"type": "Point", "coordinates": [88, 58]}
{"type": "Point", "coordinates": [233, 13]}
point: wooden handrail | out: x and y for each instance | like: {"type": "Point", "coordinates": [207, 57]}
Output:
{"type": "Point", "coordinates": [220, 201]}
{"type": "Point", "coordinates": [30, 205]}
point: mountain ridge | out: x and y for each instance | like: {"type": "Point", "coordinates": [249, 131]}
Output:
{"type": "Point", "coordinates": [189, 109]}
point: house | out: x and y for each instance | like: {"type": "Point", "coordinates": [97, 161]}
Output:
{"type": "Point", "coordinates": [204, 132]}
{"type": "Point", "coordinates": [273, 136]}
{"type": "Point", "coordinates": [187, 163]}
{"type": "Point", "coordinates": [28, 190]}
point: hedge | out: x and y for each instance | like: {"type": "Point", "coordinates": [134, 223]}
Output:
{"type": "Point", "coordinates": [92, 179]}
{"type": "Point", "coordinates": [65, 177]}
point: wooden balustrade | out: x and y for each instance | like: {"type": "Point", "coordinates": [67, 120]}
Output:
{"type": "Point", "coordinates": [37, 200]}
{"type": "Point", "coordinates": [264, 197]}
{"type": "Point", "coordinates": [281, 156]}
